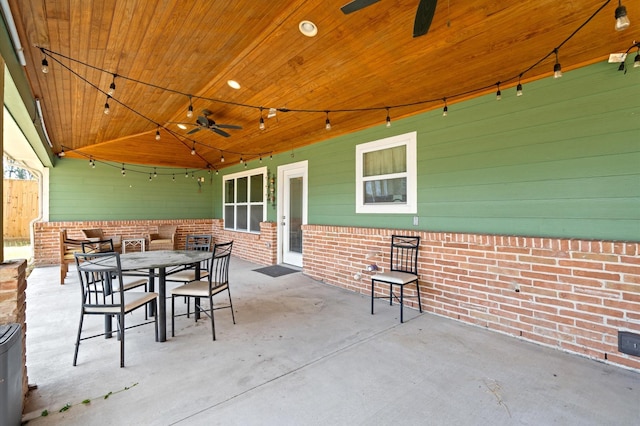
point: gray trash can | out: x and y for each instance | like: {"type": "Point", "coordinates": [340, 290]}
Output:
{"type": "Point", "coordinates": [11, 374]}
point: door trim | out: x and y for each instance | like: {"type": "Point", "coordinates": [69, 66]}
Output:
{"type": "Point", "coordinates": [303, 167]}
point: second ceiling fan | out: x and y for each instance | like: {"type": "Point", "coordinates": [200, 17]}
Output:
{"type": "Point", "coordinates": [422, 22]}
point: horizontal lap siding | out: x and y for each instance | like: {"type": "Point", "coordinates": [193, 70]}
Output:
{"type": "Point", "coordinates": [573, 294]}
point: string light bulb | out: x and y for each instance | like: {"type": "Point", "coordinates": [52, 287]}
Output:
{"type": "Point", "coordinates": [62, 154]}
{"type": "Point", "coordinates": [186, 173]}
{"type": "Point", "coordinates": [241, 160]}
{"type": "Point", "coordinates": [327, 123]}
{"type": "Point", "coordinates": [158, 133]}
{"type": "Point", "coordinates": [445, 110]}
{"type": "Point", "coordinates": [190, 109]}
{"type": "Point", "coordinates": [106, 106]}
{"type": "Point", "coordinates": [636, 61]}
{"type": "Point", "coordinates": [557, 68]}
{"type": "Point", "coordinates": [498, 93]}
{"type": "Point", "coordinates": [221, 158]}
{"type": "Point", "coordinates": [622, 20]}
{"type": "Point", "coordinates": [261, 126]}
{"type": "Point", "coordinates": [123, 172]}
{"type": "Point", "coordinates": [150, 177]}
{"type": "Point", "coordinates": [174, 177]}
{"type": "Point", "coordinates": [519, 86]}
{"type": "Point", "coordinates": [193, 149]}
{"type": "Point", "coordinates": [45, 66]}
{"type": "Point", "coordinates": [112, 86]}
{"type": "Point", "coordinates": [388, 118]}
{"type": "Point", "coordinates": [155, 173]}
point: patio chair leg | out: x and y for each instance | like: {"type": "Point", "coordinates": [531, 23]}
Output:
{"type": "Point", "coordinates": [418, 292]}
{"type": "Point", "coordinates": [173, 317]}
{"type": "Point", "coordinates": [213, 323]}
{"type": "Point", "coordinates": [372, 292]}
{"type": "Point", "coordinates": [75, 355]}
{"type": "Point", "coordinates": [401, 304]}
{"type": "Point", "coordinates": [233, 316]}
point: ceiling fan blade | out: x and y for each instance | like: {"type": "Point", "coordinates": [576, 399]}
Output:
{"type": "Point", "coordinates": [424, 16]}
{"type": "Point", "coordinates": [197, 129]}
{"type": "Point", "coordinates": [229, 126]}
{"type": "Point", "coordinates": [356, 5]}
{"type": "Point", "coordinates": [220, 132]}
{"type": "Point", "coordinates": [203, 121]}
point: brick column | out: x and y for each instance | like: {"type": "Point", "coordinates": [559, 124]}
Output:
{"type": "Point", "coordinates": [13, 304]}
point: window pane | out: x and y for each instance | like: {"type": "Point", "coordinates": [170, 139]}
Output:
{"type": "Point", "coordinates": [256, 218]}
{"type": "Point", "coordinates": [229, 222]}
{"type": "Point", "coordinates": [257, 190]}
{"type": "Point", "coordinates": [385, 191]}
{"type": "Point", "coordinates": [241, 222]}
{"type": "Point", "coordinates": [228, 191]}
{"type": "Point", "coordinates": [242, 190]}
{"type": "Point", "coordinates": [385, 161]}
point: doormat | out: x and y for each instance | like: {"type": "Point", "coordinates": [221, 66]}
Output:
{"type": "Point", "coordinates": [275, 270]}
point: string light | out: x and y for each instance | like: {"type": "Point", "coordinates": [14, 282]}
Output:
{"type": "Point", "coordinates": [622, 20]}
{"type": "Point", "coordinates": [445, 110]}
{"type": "Point", "coordinates": [112, 86]}
{"type": "Point", "coordinates": [158, 134]}
{"type": "Point", "coordinates": [62, 154]}
{"type": "Point", "coordinates": [388, 118]}
{"type": "Point", "coordinates": [327, 123]}
{"type": "Point", "coordinates": [636, 61]}
{"type": "Point", "coordinates": [186, 173]}
{"type": "Point", "coordinates": [261, 125]}
{"type": "Point", "coordinates": [519, 86]}
{"type": "Point", "coordinates": [221, 158]}
{"type": "Point", "coordinates": [155, 173]}
{"type": "Point", "coordinates": [557, 68]}
{"type": "Point", "coordinates": [193, 150]}
{"type": "Point", "coordinates": [45, 66]}
{"type": "Point", "coordinates": [106, 106]}
{"type": "Point", "coordinates": [174, 177]}
{"type": "Point", "coordinates": [190, 109]}
{"type": "Point", "coordinates": [498, 93]}
{"type": "Point", "coordinates": [241, 160]}
{"type": "Point", "coordinates": [123, 172]}
{"type": "Point", "coordinates": [150, 177]}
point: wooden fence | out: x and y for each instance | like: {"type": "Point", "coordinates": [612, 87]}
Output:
{"type": "Point", "coordinates": [20, 207]}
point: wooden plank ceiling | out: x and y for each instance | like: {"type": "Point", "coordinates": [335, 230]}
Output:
{"type": "Point", "coordinates": [161, 51]}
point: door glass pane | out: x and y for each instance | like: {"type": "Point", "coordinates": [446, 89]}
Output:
{"type": "Point", "coordinates": [242, 190]}
{"type": "Point", "coordinates": [241, 220]}
{"type": "Point", "coordinates": [385, 191]}
{"type": "Point", "coordinates": [229, 221]}
{"type": "Point", "coordinates": [256, 218]}
{"type": "Point", "coordinates": [228, 191]}
{"type": "Point", "coordinates": [295, 214]}
{"type": "Point", "coordinates": [257, 190]}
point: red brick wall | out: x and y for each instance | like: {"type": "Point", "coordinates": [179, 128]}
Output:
{"type": "Point", "coordinates": [574, 295]}
{"type": "Point", "coordinates": [258, 248]}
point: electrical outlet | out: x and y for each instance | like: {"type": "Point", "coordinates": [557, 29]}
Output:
{"type": "Point", "coordinates": [415, 221]}
{"type": "Point", "coordinates": [629, 343]}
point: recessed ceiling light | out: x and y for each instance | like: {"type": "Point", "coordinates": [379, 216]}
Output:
{"type": "Point", "coordinates": [308, 28]}
{"type": "Point", "coordinates": [182, 126]}
{"type": "Point", "coordinates": [233, 84]}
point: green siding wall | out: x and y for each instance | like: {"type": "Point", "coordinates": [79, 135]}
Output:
{"type": "Point", "coordinates": [78, 192]}
{"type": "Point", "coordinates": [561, 161]}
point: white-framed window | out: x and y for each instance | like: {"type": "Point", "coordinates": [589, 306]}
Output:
{"type": "Point", "coordinates": [386, 176]}
{"type": "Point", "coordinates": [244, 200]}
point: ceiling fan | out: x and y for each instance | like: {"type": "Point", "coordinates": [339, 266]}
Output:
{"type": "Point", "coordinates": [424, 14]}
{"type": "Point", "coordinates": [204, 122]}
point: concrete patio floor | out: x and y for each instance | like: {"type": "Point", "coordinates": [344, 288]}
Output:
{"type": "Point", "coordinates": [305, 353]}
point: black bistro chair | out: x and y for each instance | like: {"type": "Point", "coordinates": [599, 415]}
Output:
{"type": "Point", "coordinates": [403, 271]}
{"type": "Point", "coordinates": [107, 246]}
{"type": "Point", "coordinates": [103, 293]}
{"type": "Point", "coordinates": [216, 282]}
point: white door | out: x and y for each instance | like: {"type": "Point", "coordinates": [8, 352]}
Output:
{"type": "Point", "coordinates": [292, 211]}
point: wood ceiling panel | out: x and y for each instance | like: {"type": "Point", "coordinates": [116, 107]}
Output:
{"type": "Point", "coordinates": [367, 59]}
